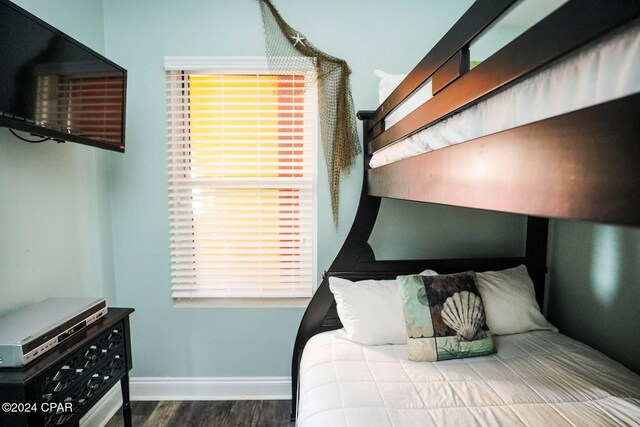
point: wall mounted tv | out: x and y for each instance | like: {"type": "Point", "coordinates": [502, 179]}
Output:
{"type": "Point", "coordinates": [55, 87]}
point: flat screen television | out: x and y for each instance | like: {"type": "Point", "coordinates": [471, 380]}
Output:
{"type": "Point", "coordinates": [55, 87]}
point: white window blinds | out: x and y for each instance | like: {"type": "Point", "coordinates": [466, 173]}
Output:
{"type": "Point", "coordinates": [242, 160]}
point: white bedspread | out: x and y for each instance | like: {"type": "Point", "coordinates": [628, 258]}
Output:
{"type": "Point", "coordinates": [540, 378]}
{"type": "Point", "coordinates": [605, 70]}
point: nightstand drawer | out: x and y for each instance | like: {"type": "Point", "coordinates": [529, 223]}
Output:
{"type": "Point", "coordinates": [108, 345]}
{"type": "Point", "coordinates": [90, 389]}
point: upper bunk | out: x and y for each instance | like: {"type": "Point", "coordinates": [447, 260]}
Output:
{"type": "Point", "coordinates": [574, 156]}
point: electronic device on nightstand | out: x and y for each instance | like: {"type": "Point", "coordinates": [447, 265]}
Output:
{"type": "Point", "coordinates": [31, 332]}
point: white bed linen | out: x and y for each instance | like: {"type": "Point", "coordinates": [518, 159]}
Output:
{"type": "Point", "coordinates": [540, 378]}
{"type": "Point", "coordinates": [606, 70]}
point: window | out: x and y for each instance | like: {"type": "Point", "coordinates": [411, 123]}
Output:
{"type": "Point", "coordinates": [242, 179]}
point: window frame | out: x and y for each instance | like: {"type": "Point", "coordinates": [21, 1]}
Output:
{"type": "Point", "coordinates": [250, 65]}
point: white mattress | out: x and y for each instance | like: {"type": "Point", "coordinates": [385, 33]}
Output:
{"type": "Point", "coordinates": [540, 378]}
{"type": "Point", "coordinates": [606, 70]}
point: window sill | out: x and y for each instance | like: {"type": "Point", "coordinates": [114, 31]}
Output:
{"type": "Point", "coordinates": [241, 302]}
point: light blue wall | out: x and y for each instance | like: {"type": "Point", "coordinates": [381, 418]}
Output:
{"type": "Point", "coordinates": [595, 287]}
{"type": "Point", "coordinates": [408, 230]}
{"type": "Point", "coordinates": [55, 210]}
{"type": "Point", "coordinates": [172, 341]}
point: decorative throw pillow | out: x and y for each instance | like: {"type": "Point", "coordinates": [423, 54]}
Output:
{"type": "Point", "coordinates": [444, 317]}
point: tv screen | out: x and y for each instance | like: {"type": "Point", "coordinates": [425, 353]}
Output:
{"type": "Point", "coordinates": [53, 86]}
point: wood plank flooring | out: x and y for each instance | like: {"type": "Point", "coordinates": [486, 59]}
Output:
{"type": "Point", "coordinates": [221, 413]}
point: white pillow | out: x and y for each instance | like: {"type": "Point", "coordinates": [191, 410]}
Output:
{"type": "Point", "coordinates": [371, 310]}
{"type": "Point", "coordinates": [388, 83]}
{"type": "Point", "coordinates": [510, 302]}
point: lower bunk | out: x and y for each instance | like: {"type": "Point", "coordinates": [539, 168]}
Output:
{"type": "Point", "coordinates": [363, 356]}
{"type": "Point", "coordinates": [535, 378]}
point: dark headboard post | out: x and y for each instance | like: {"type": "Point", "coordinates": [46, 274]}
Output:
{"type": "Point", "coordinates": [536, 254]}
{"type": "Point", "coordinates": [355, 248]}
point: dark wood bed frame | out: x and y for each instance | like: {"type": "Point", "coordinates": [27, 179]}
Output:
{"type": "Point", "coordinates": [582, 165]}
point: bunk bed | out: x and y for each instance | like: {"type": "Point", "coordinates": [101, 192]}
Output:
{"type": "Point", "coordinates": [579, 164]}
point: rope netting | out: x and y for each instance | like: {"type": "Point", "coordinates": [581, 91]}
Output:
{"type": "Point", "coordinates": [287, 49]}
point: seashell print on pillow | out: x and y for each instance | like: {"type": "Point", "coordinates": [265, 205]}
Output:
{"type": "Point", "coordinates": [464, 313]}
{"type": "Point", "coordinates": [444, 316]}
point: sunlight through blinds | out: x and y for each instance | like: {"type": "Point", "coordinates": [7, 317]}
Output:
{"type": "Point", "coordinates": [242, 160]}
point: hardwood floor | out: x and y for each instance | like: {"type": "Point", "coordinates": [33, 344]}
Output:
{"type": "Point", "coordinates": [222, 413]}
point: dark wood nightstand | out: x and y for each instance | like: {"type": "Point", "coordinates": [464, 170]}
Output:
{"type": "Point", "coordinates": [58, 388]}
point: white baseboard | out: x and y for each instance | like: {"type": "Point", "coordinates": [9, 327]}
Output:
{"type": "Point", "coordinates": [210, 388]}
{"type": "Point", "coordinates": [102, 411]}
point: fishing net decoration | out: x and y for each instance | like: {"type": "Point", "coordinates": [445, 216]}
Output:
{"type": "Point", "coordinates": [285, 47]}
